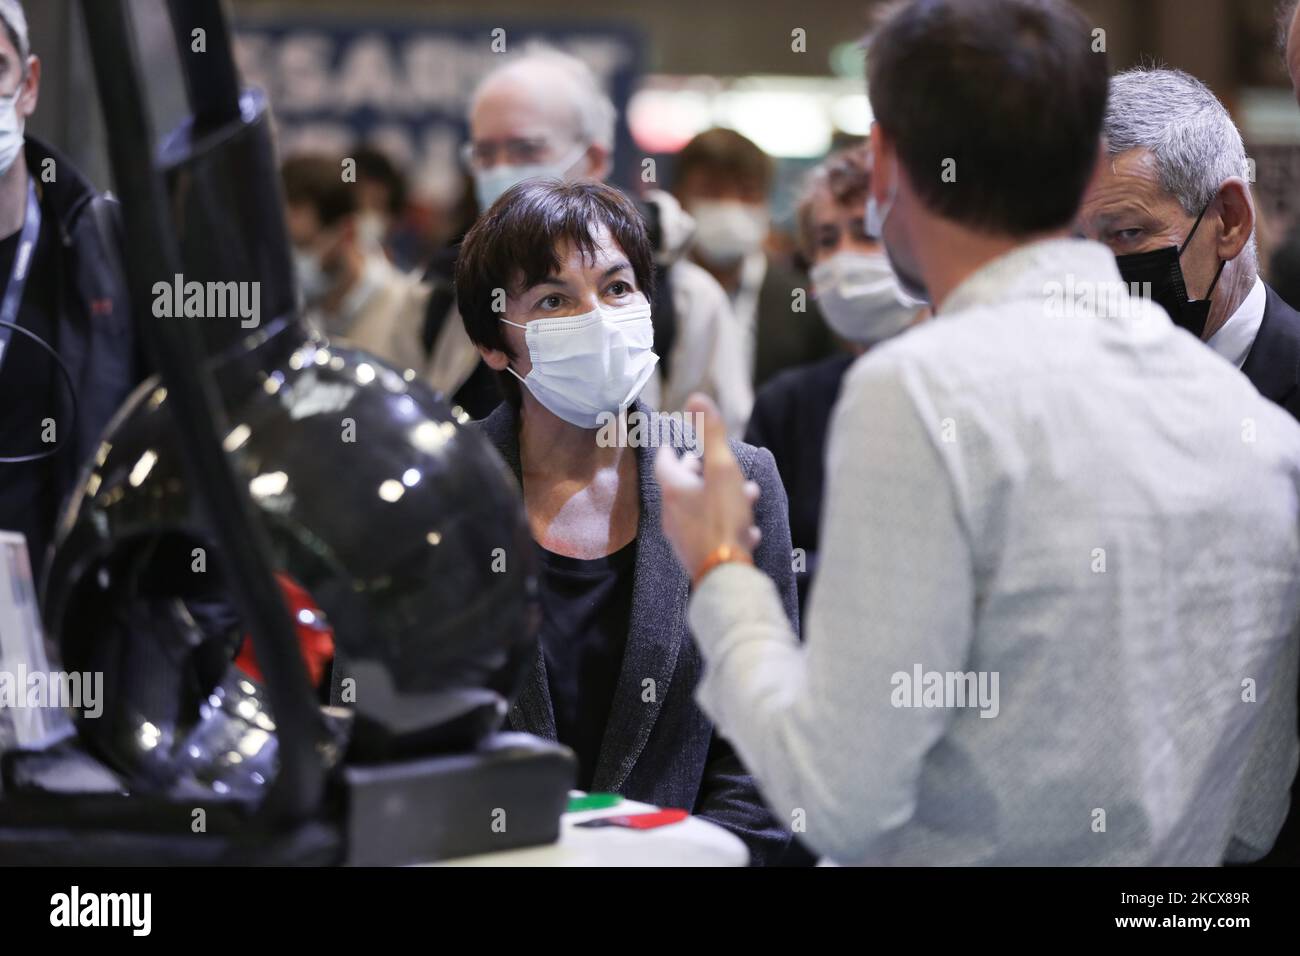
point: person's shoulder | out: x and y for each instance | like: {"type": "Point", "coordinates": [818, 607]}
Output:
{"type": "Point", "coordinates": [757, 464]}
{"type": "Point", "coordinates": [1281, 316]}
{"type": "Point", "coordinates": [904, 357]}
{"type": "Point", "coordinates": [809, 382]}
{"type": "Point", "coordinates": [498, 427]}
{"type": "Point", "coordinates": [797, 378]}
{"type": "Point", "coordinates": [681, 430]}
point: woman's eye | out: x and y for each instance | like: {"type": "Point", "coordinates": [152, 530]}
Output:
{"type": "Point", "coordinates": [550, 302]}
{"type": "Point", "coordinates": [620, 289]}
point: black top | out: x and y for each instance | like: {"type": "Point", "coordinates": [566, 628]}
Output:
{"type": "Point", "coordinates": [1273, 363]}
{"type": "Point", "coordinates": [791, 416]}
{"type": "Point", "coordinates": [28, 396]}
{"type": "Point", "coordinates": [586, 607]}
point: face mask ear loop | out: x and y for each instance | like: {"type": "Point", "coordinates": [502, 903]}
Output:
{"type": "Point", "coordinates": [890, 200]}
{"type": "Point", "coordinates": [1216, 279]}
{"type": "Point", "coordinates": [510, 368]}
{"type": "Point", "coordinates": [1196, 225]}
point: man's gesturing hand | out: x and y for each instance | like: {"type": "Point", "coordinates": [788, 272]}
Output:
{"type": "Point", "coordinates": [706, 506]}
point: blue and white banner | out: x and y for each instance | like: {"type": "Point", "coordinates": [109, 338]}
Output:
{"type": "Point", "coordinates": [403, 84]}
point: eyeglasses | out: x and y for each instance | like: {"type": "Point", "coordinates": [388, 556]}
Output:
{"type": "Point", "coordinates": [512, 152]}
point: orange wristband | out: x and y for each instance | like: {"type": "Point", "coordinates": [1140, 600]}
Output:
{"type": "Point", "coordinates": [722, 554]}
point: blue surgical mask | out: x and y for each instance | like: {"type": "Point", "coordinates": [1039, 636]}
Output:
{"type": "Point", "coordinates": [489, 184]}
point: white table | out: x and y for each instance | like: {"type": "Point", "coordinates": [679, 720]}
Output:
{"type": "Point", "coordinates": [692, 842]}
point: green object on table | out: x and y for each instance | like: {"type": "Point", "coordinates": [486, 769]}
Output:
{"type": "Point", "coordinates": [594, 801]}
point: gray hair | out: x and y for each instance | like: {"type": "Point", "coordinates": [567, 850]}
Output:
{"type": "Point", "coordinates": [15, 21]}
{"type": "Point", "coordinates": [570, 77]}
{"type": "Point", "coordinates": [1175, 116]}
{"type": "Point", "coordinates": [1193, 139]}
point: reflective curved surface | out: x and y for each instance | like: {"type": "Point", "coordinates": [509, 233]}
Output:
{"type": "Point", "coordinates": [400, 522]}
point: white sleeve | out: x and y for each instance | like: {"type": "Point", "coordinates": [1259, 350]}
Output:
{"type": "Point", "coordinates": [815, 723]}
{"type": "Point", "coordinates": [707, 356]}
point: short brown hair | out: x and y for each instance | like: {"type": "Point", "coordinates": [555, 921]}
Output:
{"type": "Point", "coordinates": [845, 176]}
{"type": "Point", "coordinates": [317, 181]}
{"type": "Point", "coordinates": [727, 152]}
{"type": "Point", "coordinates": [516, 243]}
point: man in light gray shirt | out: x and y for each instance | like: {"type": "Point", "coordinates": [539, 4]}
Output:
{"type": "Point", "coordinates": [1056, 619]}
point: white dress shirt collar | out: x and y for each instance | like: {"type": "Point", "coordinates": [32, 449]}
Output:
{"type": "Point", "coordinates": [1234, 339]}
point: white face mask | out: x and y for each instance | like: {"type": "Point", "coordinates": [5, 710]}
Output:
{"type": "Point", "coordinates": [372, 227]}
{"type": "Point", "coordinates": [313, 283]}
{"type": "Point", "coordinates": [726, 231]}
{"type": "Point", "coordinates": [491, 183]}
{"type": "Point", "coordinates": [860, 298]}
{"type": "Point", "coordinates": [586, 365]}
{"type": "Point", "coordinates": [11, 131]}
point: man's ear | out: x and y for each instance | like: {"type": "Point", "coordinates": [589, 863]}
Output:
{"type": "Point", "coordinates": [883, 164]}
{"type": "Point", "coordinates": [598, 163]}
{"type": "Point", "coordinates": [26, 105]}
{"type": "Point", "coordinates": [1237, 213]}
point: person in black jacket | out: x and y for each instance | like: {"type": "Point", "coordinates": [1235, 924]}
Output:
{"type": "Point", "coordinates": [554, 284]}
{"type": "Point", "coordinates": [63, 291]}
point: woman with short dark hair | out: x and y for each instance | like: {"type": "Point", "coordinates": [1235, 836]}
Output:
{"type": "Point", "coordinates": [554, 284]}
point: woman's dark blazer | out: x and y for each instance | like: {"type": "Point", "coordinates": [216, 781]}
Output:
{"type": "Point", "coordinates": [658, 746]}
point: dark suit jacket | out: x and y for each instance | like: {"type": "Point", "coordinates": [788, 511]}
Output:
{"type": "Point", "coordinates": [1273, 366]}
{"type": "Point", "coordinates": [791, 418]}
{"type": "Point", "coordinates": [665, 751]}
{"type": "Point", "coordinates": [784, 337]}
{"type": "Point", "coordinates": [1273, 363]}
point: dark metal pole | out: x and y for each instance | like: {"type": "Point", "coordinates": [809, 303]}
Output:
{"type": "Point", "coordinates": [211, 76]}
{"type": "Point", "coordinates": [153, 255]}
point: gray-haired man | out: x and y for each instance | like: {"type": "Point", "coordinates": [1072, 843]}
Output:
{"type": "Point", "coordinates": [1173, 203]}
{"type": "Point", "coordinates": [1174, 206]}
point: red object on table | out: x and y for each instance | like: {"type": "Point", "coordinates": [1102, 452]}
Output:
{"type": "Point", "coordinates": [638, 821]}
{"type": "Point", "coordinates": [315, 636]}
